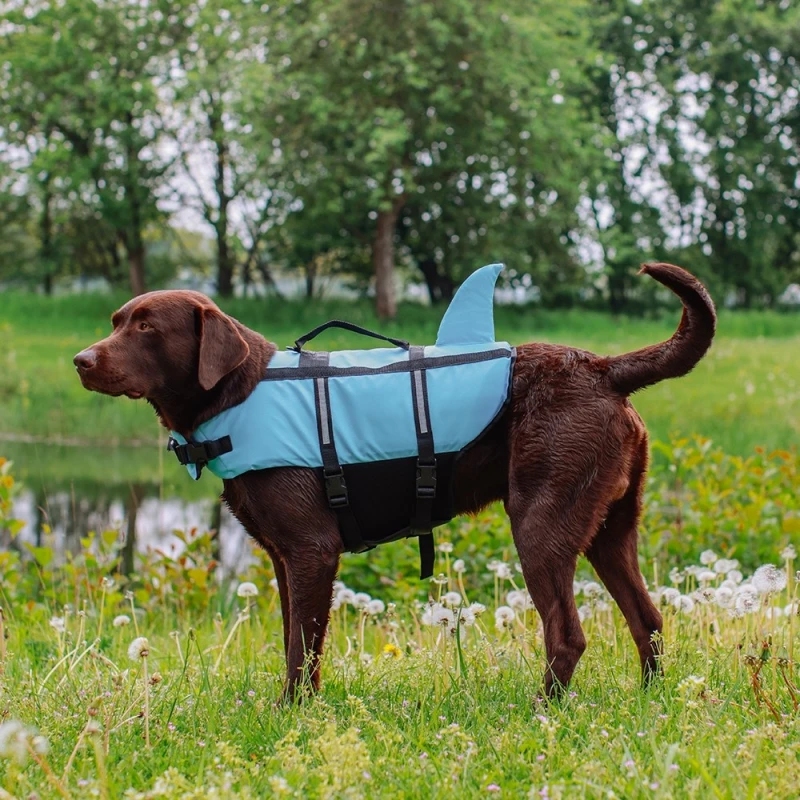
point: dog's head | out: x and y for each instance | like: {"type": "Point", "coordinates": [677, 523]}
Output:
{"type": "Point", "coordinates": [165, 345]}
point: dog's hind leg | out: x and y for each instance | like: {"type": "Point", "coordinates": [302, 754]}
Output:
{"type": "Point", "coordinates": [310, 583]}
{"type": "Point", "coordinates": [614, 555]}
{"type": "Point", "coordinates": [548, 553]}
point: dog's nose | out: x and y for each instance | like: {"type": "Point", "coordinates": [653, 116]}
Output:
{"type": "Point", "coordinates": [86, 359]}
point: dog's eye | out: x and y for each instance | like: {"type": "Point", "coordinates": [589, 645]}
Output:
{"type": "Point", "coordinates": [145, 326]}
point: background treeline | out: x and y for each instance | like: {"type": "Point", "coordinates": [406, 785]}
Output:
{"type": "Point", "coordinates": [418, 138]}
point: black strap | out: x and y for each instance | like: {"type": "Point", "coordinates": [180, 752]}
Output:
{"type": "Point", "coordinates": [348, 326]}
{"type": "Point", "coordinates": [199, 453]}
{"type": "Point", "coordinates": [335, 484]}
{"type": "Point", "coordinates": [422, 522]}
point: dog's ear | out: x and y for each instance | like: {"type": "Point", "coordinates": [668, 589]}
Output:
{"type": "Point", "coordinates": [222, 348]}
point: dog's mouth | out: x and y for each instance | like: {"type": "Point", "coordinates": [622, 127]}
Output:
{"type": "Point", "coordinates": [110, 390]}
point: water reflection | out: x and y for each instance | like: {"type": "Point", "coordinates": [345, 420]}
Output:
{"type": "Point", "coordinates": [59, 520]}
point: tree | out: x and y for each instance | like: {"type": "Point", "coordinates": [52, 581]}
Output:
{"type": "Point", "coordinates": [81, 77]}
{"type": "Point", "coordinates": [212, 101]}
{"type": "Point", "coordinates": [377, 103]}
{"type": "Point", "coordinates": [702, 102]}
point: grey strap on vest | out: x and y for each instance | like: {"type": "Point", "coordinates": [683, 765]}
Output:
{"type": "Point", "coordinates": [335, 484]}
{"type": "Point", "coordinates": [422, 522]}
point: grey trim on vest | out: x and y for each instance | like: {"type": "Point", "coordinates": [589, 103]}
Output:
{"type": "Point", "coordinates": [303, 372]}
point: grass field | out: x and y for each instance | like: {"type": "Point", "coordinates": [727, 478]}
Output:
{"type": "Point", "coordinates": [408, 708]}
{"type": "Point", "coordinates": [420, 700]}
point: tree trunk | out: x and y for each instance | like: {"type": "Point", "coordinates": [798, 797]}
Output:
{"type": "Point", "coordinates": [224, 265]}
{"type": "Point", "coordinates": [311, 275]}
{"type": "Point", "coordinates": [136, 269]}
{"type": "Point", "coordinates": [46, 231]}
{"type": "Point", "coordinates": [440, 287]}
{"type": "Point", "coordinates": [383, 260]}
{"type": "Point", "coordinates": [132, 504]}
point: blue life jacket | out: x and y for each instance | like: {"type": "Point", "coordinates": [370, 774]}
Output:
{"type": "Point", "coordinates": [383, 427]}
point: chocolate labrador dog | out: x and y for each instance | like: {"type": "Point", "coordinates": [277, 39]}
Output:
{"type": "Point", "coordinates": [568, 459]}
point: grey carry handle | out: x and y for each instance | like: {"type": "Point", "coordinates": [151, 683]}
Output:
{"type": "Point", "coordinates": [348, 326]}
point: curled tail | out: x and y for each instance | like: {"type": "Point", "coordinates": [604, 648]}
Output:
{"type": "Point", "coordinates": [671, 359]}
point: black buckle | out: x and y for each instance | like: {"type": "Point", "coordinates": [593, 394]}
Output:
{"type": "Point", "coordinates": [426, 479]}
{"type": "Point", "coordinates": [336, 488]}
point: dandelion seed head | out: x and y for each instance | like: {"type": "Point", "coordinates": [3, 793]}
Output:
{"type": "Point", "coordinates": [708, 557]}
{"type": "Point", "coordinates": [789, 553]}
{"type": "Point", "coordinates": [452, 599]}
{"type": "Point", "coordinates": [445, 547]}
{"type": "Point", "coordinates": [724, 597]}
{"type": "Point", "coordinates": [361, 600]}
{"type": "Point", "coordinates": [504, 617]}
{"type": "Point", "coordinates": [769, 579]}
{"type": "Point", "coordinates": [138, 648]}
{"type": "Point", "coordinates": [441, 616]}
{"type": "Point", "coordinates": [669, 596]}
{"type": "Point", "coordinates": [121, 620]}
{"type": "Point", "coordinates": [584, 612]}
{"type": "Point", "coordinates": [706, 576]}
{"type": "Point", "coordinates": [676, 577]}
{"type": "Point", "coordinates": [459, 567]}
{"type": "Point", "coordinates": [735, 576]}
{"type": "Point", "coordinates": [346, 597]}
{"type": "Point", "coordinates": [746, 600]}
{"type": "Point", "coordinates": [503, 571]}
{"type": "Point", "coordinates": [247, 589]}
{"type": "Point", "coordinates": [58, 624]}
{"type": "Point", "coordinates": [477, 608]}
{"type": "Point", "coordinates": [684, 604]}
{"type": "Point", "coordinates": [375, 607]}
{"type": "Point", "coordinates": [14, 739]}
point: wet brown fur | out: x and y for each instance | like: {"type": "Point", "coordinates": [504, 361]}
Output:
{"type": "Point", "coordinates": [568, 460]}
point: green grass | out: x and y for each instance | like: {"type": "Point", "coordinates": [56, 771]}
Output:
{"type": "Point", "coordinates": [406, 710]}
{"type": "Point", "coordinates": [745, 393]}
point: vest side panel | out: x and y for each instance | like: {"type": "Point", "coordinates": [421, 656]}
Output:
{"type": "Point", "coordinates": [373, 417]}
{"type": "Point", "coordinates": [465, 399]}
{"type": "Point", "coordinates": [275, 427]}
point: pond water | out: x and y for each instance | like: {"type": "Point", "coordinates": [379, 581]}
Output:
{"type": "Point", "coordinates": [127, 490]}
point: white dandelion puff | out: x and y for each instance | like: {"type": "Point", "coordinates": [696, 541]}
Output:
{"type": "Point", "coordinates": [769, 579]}
{"type": "Point", "coordinates": [504, 617]}
{"type": "Point", "coordinates": [735, 576]}
{"type": "Point", "coordinates": [467, 617]}
{"type": "Point", "coordinates": [138, 648]}
{"type": "Point", "coordinates": [724, 597]}
{"type": "Point", "coordinates": [669, 596]}
{"type": "Point", "coordinates": [708, 557]}
{"type": "Point", "coordinates": [442, 617]}
{"type": "Point", "coordinates": [584, 612]}
{"type": "Point", "coordinates": [346, 597]}
{"type": "Point", "coordinates": [503, 571]}
{"type": "Point", "coordinates": [445, 547]}
{"type": "Point", "coordinates": [15, 738]}
{"type": "Point", "coordinates": [58, 624]}
{"type": "Point", "coordinates": [706, 576]}
{"type": "Point", "coordinates": [789, 553]}
{"type": "Point", "coordinates": [452, 599]}
{"type": "Point", "coordinates": [375, 607]}
{"type": "Point", "coordinates": [361, 600]}
{"type": "Point", "coordinates": [459, 567]}
{"type": "Point", "coordinates": [247, 589]}
{"type": "Point", "coordinates": [746, 600]}
{"type": "Point", "coordinates": [592, 589]}
{"type": "Point", "coordinates": [121, 620]}
{"type": "Point", "coordinates": [773, 612]}
{"type": "Point", "coordinates": [477, 608]}
{"type": "Point", "coordinates": [684, 604]}
{"type": "Point", "coordinates": [676, 577]}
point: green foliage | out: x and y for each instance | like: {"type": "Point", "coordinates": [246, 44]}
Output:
{"type": "Point", "coordinates": [406, 709]}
